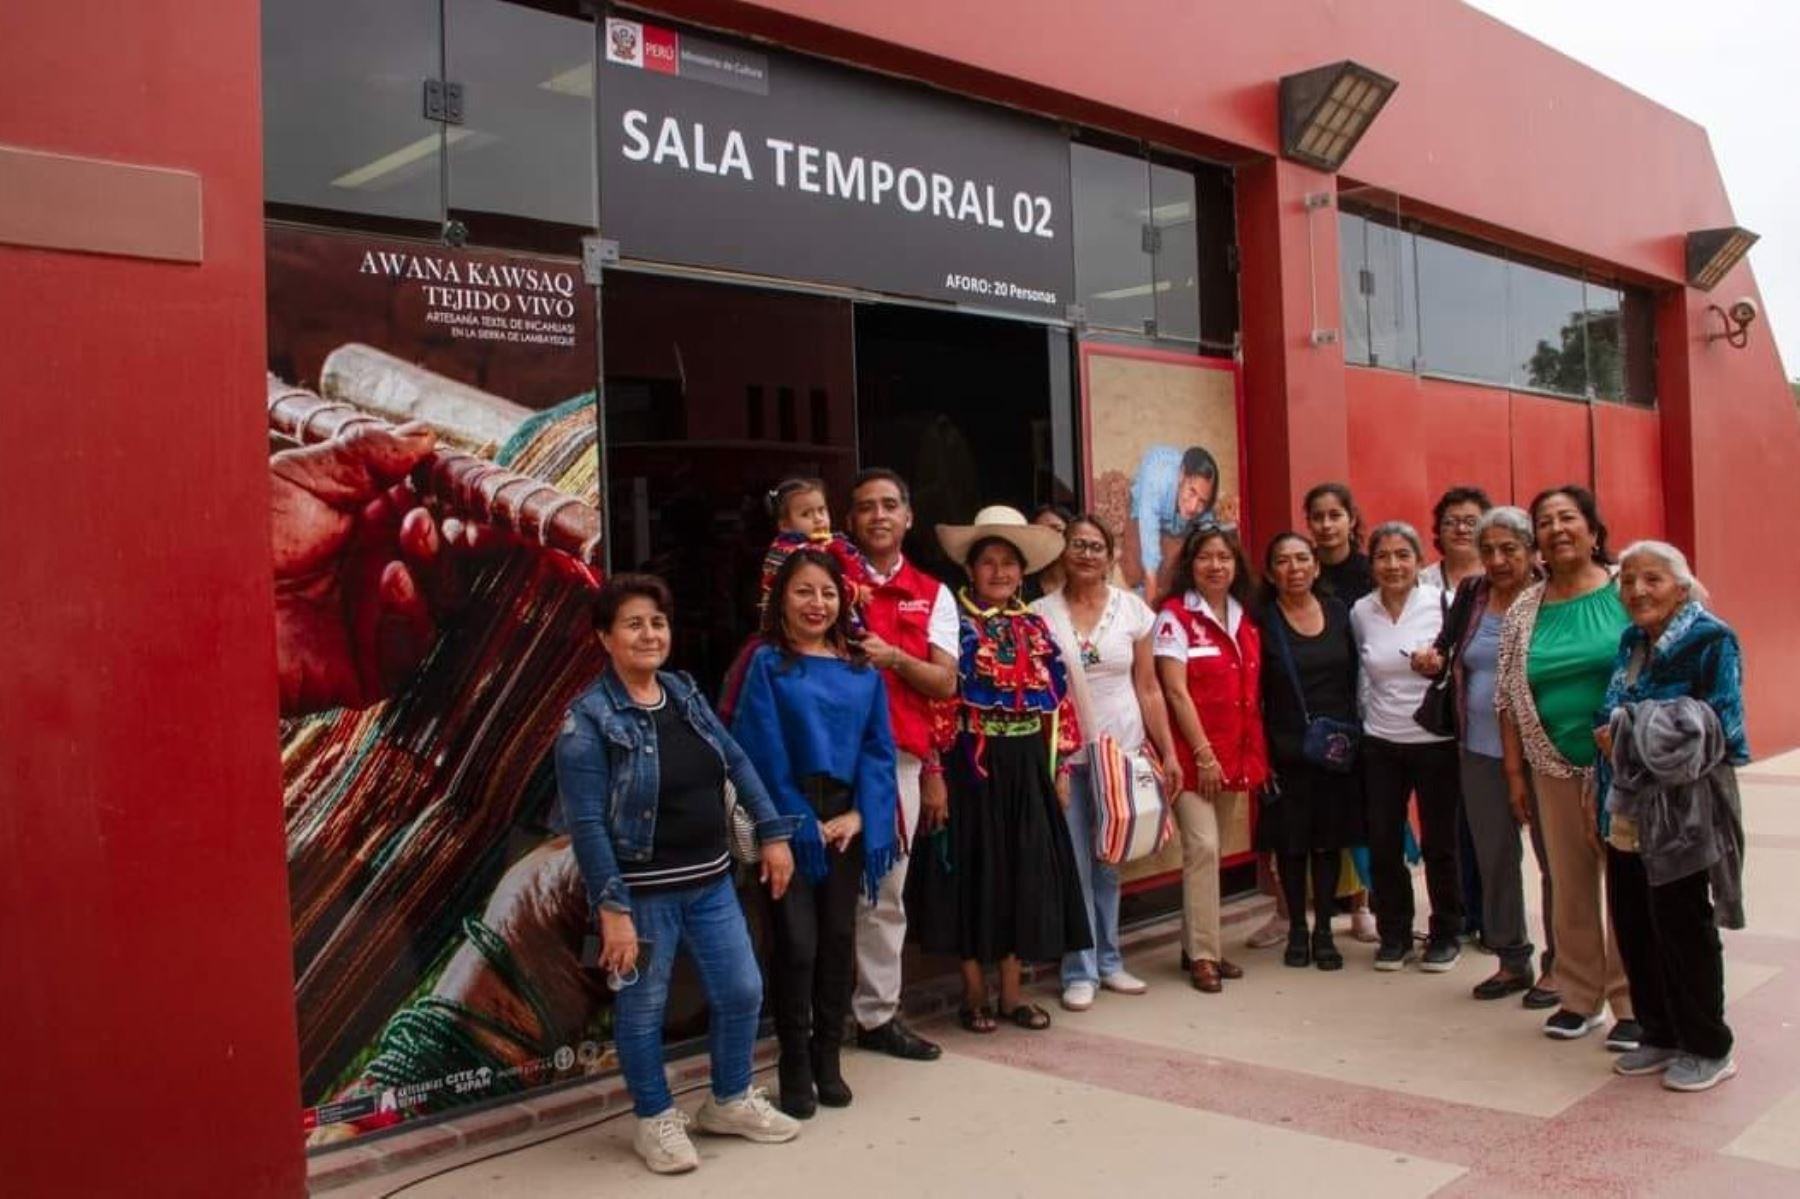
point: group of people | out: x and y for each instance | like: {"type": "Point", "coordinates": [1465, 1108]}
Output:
{"type": "Point", "coordinates": [894, 756]}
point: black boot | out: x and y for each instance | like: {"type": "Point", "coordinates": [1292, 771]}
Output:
{"type": "Point", "coordinates": [1299, 948]}
{"type": "Point", "coordinates": [796, 1074]}
{"type": "Point", "coordinates": [833, 1090]}
{"type": "Point", "coordinates": [1325, 953]}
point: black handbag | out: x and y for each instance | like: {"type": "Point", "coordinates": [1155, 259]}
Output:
{"type": "Point", "coordinates": [1436, 713]}
{"type": "Point", "coordinates": [1327, 743]}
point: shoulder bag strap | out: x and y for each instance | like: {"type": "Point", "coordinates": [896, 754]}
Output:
{"type": "Point", "coordinates": [1056, 614]}
{"type": "Point", "coordinates": [1279, 627]}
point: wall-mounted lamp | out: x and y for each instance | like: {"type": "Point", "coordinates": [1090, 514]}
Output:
{"type": "Point", "coordinates": [1325, 111]}
{"type": "Point", "coordinates": [1737, 323]}
{"type": "Point", "coordinates": [1711, 253]}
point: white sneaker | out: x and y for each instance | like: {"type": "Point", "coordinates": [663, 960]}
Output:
{"type": "Point", "coordinates": [753, 1117]}
{"type": "Point", "coordinates": [1125, 983]}
{"type": "Point", "coordinates": [1078, 997]}
{"type": "Point", "coordinates": [1362, 927]}
{"type": "Point", "coordinates": [662, 1141]}
{"type": "Point", "coordinates": [1273, 932]}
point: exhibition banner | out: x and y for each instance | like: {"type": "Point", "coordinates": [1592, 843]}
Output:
{"type": "Point", "coordinates": [1164, 458]}
{"type": "Point", "coordinates": [429, 641]}
{"type": "Point", "coordinates": [725, 156]}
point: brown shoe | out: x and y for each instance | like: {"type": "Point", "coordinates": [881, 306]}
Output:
{"type": "Point", "coordinates": [1230, 970]}
{"type": "Point", "coordinates": [1206, 977]}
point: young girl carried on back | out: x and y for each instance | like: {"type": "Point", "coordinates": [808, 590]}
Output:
{"type": "Point", "coordinates": [802, 521]}
{"type": "Point", "coordinates": [803, 518]}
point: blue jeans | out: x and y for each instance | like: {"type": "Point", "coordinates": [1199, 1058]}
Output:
{"type": "Point", "coordinates": [1099, 889]}
{"type": "Point", "coordinates": [709, 922]}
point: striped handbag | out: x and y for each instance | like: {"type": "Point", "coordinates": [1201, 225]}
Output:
{"type": "Point", "coordinates": [1131, 814]}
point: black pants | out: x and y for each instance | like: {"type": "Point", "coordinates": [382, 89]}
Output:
{"type": "Point", "coordinates": [1392, 773]}
{"type": "Point", "coordinates": [1323, 864]}
{"type": "Point", "coordinates": [815, 944]}
{"type": "Point", "coordinates": [1673, 958]}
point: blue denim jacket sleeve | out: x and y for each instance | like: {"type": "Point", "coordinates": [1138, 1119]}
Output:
{"type": "Point", "coordinates": [771, 825]}
{"type": "Point", "coordinates": [584, 782]}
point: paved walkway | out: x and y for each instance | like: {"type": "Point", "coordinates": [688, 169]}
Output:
{"type": "Point", "coordinates": [1290, 1083]}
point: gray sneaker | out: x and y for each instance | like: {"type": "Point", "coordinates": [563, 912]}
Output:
{"type": "Point", "coordinates": [1651, 1059]}
{"type": "Point", "coordinates": [1690, 1072]}
{"type": "Point", "coordinates": [752, 1117]}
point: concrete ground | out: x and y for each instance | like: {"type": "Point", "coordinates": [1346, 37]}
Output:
{"type": "Point", "coordinates": [1289, 1083]}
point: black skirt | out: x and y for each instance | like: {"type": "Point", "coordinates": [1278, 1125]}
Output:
{"type": "Point", "coordinates": [1001, 881]}
{"type": "Point", "coordinates": [1306, 808]}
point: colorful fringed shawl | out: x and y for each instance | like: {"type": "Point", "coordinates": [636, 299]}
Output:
{"type": "Point", "coordinates": [1012, 678]}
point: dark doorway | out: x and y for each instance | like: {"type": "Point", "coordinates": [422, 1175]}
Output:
{"type": "Point", "coordinates": [713, 395]}
{"type": "Point", "coordinates": [970, 410]}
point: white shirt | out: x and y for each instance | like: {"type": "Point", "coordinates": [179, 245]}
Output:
{"type": "Point", "coordinates": [1387, 690]}
{"type": "Point", "coordinates": [1172, 637]}
{"type": "Point", "coordinates": [1106, 652]}
{"type": "Point", "coordinates": [942, 629]}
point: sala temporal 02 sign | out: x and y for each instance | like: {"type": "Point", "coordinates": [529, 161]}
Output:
{"type": "Point", "coordinates": [724, 157]}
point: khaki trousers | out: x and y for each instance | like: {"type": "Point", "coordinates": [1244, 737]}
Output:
{"type": "Point", "coordinates": [1588, 967]}
{"type": "Point", "coordinates": [881, 922]}
{"type": "Point", "coordinates": [1199, 821]}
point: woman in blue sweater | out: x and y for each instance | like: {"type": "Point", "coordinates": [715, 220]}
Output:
{"type": "Point", "coordinates": [813, 717]}
{"type": "Point", "coordinates": [1667, 908]}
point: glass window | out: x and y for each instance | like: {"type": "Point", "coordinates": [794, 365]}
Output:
{"type": "Point", "coordinates": [1393, 306]}
{"type": "Point", "coordinates": [1546, 330]}
{"type": "Point", "coordinates": [1175, 257]}
{"type": "Point", "coordinates": [526, 145]}
{"type": "Point", "coordinates": [1353, 282]}
{"type": "Point", "coordinates": [1637, 340]}
{"type": "Point", "coordinates": [344, 123]}
{"type": "Point", "coordinates": [1115, 276]}
{"type": "Point", "coordinates": [1462, 312]}
{"type": "Point", "coordinates": [1603, 318]}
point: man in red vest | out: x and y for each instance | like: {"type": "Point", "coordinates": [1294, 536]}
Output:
{"type": "Point", "coordinates": [911, 637]}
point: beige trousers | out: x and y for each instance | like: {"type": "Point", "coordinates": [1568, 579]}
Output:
{"type": "Point", "coordinates": [1199, 821]}
{"type": "Point", "coordinates": [1588, 967]}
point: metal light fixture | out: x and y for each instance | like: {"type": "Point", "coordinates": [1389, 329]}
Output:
{"type": "Point", "coordinates": [1711, 253]}
{"type": "Point", "coordinates": [1325, 111]}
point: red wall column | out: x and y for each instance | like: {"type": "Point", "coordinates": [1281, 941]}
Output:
{"type": "Point", "coordinates": [1730, 444]}
{"type": "Point", "coordinates": [1297, 421]}
{"type": "Point", "coordinates": [148, 1040]}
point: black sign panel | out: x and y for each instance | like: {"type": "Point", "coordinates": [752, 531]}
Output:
{"type": "Point", "coordinates": [721, 156]}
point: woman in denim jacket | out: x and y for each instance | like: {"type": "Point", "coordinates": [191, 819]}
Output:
{"type": "Point", "coordinates": [644, 801]}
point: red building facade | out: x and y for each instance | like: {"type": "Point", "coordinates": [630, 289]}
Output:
{"type": "Point", "coordinates": [142, 838]}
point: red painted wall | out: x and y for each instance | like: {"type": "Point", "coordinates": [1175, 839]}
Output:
{"type": "Point", "coordinates": [148, 1035]}
{"type": "Point", "coordinates": [1412, 438]}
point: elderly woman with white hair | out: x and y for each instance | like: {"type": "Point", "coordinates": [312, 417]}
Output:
{"type": "Point", "coordinates": [1399, 757]}
{"type": "Point", "coordinates": [1469, 649]}
{"type": "Point", "coordinates": [1670, 731]}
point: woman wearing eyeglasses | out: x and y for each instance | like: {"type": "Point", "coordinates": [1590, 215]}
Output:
{"type": "Point", "coordinates": [1453, 521]}
{"type": "Point", "coordinates": [1104, 632]}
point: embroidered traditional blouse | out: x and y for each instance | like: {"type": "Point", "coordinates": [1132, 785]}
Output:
{"type": "Point", "coordinates": [1012, 677]}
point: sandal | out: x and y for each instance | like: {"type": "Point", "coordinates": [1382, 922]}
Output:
{"type": "Point", "coordinates": [977, 1019]}
{"type": "Point", "coordinates": [1029, 1016]}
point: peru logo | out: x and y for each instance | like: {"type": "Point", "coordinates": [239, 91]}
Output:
{"type": "Point", "coordinates": [648, 47]}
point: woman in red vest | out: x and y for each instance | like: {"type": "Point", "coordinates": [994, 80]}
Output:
{"type": "Point", "coordinates": [1209, 661]}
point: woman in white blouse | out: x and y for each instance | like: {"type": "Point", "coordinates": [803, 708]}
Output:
{"type": "Point", "coordinates": [1104, 632]}
{"type": "Point", "coordinates": [1400, 758]}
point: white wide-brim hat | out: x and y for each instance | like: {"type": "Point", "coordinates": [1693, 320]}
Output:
{"type": "Point", "coordinates": [1038, 545]}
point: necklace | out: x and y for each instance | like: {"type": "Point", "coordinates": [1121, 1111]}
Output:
{"type": "Point", "coordinates": [1089, 642]}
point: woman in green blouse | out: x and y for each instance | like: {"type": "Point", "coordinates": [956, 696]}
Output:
{"type": "Point", "coordinates": [1556, 652]}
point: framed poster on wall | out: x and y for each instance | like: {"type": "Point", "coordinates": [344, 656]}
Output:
{"type": "Point", "coordinates": [1164, 455]}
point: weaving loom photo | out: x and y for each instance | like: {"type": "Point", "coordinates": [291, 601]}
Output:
{"type": "Point", "coordinates": [438, 915]}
